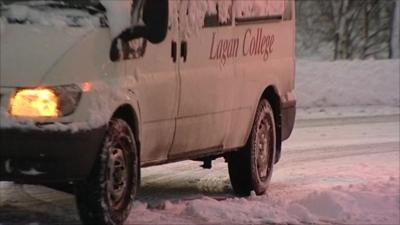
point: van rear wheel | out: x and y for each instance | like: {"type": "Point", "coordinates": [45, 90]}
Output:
{"type": "Point", "coordinates": [106, 196]}
{"type": "Point", "coordinates": [250, 168]}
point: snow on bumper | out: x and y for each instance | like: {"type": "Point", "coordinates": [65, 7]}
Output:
{"type": "Point", "coordinates": [36, 156]}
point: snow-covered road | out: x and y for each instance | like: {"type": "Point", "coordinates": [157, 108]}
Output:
{"type": "Point", "coordinates": [342, 171]}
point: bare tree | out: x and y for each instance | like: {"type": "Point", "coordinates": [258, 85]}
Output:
{"type": "Point", "coordinates": [355, 28]}
{"type": "Point", "coordinates": [395, 32]}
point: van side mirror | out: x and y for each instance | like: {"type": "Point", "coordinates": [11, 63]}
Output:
{"type": "Point", "coordinates": [154, 29]}
{"type": "Point", "coordinates": [155, 17]}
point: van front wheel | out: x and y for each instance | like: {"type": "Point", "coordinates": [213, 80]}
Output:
{"type": "Point", "coordinates": [250, 168]}
{"type": "Point", "coordinates": [106, 196]}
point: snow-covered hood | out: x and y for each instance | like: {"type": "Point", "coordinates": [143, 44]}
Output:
{"type": "Point", "coordinates": [27, 53]}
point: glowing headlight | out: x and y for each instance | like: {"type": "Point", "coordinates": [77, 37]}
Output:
{"type": "Point", "coordinates": [45, 102]}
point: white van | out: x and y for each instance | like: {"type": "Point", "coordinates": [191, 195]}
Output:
{"type": "Point", "coordinates": [93, 90]}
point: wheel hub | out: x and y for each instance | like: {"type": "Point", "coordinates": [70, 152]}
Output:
{"type": "Point", "coordinates": [118, 176]}
{"type": "Point", "coordinates": [262, 147]}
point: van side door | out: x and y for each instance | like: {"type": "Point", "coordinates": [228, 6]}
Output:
{"type": "Point", "coordinates": [153, 72]}
{"type": "Point", "coordinates": [207, 53]}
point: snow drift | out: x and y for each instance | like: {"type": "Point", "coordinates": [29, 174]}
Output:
{"type": "Point", "coordinates": [374, 203]}
{"type": "Point", "coordinates": [348, 83]}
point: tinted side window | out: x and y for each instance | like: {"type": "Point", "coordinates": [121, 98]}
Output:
{"type": "Point", "coordinates": [253, 11]}
{"type": "Point", "coordinates": [218, 14]}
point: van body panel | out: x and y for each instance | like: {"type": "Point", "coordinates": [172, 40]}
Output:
{"type": "Point", "coordinates": [86, 61]}
{"type": "Point", "coordinates": [154, 79]}
{"type": "Point", "coordinates": [202, 104]}
{"type": "Point", "coordinates": [39, 157]}
{"type": "Point", "coordinates": [206, 97]}
{"type": "Point", "coordinates": [258, 71]}
{"type": "Point", "coordinates": [29, 52]}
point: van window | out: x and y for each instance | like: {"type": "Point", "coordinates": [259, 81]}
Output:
{"type": "Point", "coordinates": [193, 15]}
{"type": "Point", "coordinates": [218, 14]}
{"type": "Point", "coordinates": [261, 10]}
{"type": "Point", "coordinates": [148, 23]}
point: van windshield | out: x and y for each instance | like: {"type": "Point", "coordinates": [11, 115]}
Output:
{"type": "Point", "coordinates": [72, 13]}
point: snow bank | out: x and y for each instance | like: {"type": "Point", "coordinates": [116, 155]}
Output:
{"type": "Point", "coordinates": [348, 83]}
{"type": "Point", "coordinates": [355, 204]}
{"type": "Point", "coordinates": [374, 203]}
{"type": "Point", "coordinates": [344, 112]}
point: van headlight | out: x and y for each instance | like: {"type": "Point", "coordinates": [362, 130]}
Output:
{"type": "Point", "coordinates": [46, 102]}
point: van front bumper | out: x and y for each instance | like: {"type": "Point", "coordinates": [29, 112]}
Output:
{"type": "Point", "coordinates": [39, 156]}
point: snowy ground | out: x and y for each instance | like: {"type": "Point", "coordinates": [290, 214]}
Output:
{"type": "Point", "coordinates": [325, 176]}
{"type": "Point", "coordinates": [348, 83]}
{"type": "Point", "coordinates": [332, 171]}
{"type": "Point", "coordinates": [340, 166]}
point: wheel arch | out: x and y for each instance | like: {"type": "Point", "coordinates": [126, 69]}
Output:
{"type": "Point", "coordinates": [128, 113]}
{"type": "Point", "coordinates": [270, 93]}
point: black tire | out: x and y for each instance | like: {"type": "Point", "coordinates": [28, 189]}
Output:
{"type": "Point", "coordinates": [106, 196]}
{"type": "Point", "coordinates": [250, 168]}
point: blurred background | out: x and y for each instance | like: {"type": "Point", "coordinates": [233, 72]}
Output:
{"type": "Point", "coordinates": [348, 29]}
{"type": "Point", "coordinates": [341, 164]}
{"type": "Point", "coordinates": [347, 57]}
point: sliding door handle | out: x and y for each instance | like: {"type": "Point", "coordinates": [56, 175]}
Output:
{"type": "Point", "coordinates": [184, 50]}
{"type": "Point", "coordinates": [174, 50]}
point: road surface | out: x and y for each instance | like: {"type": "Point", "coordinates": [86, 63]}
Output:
{"type": "Point", "coordinates": [323, 153]}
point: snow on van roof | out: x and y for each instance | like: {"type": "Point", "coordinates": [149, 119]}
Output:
{"type": "Point", "coordinates": [118, 12]}
{"type": "Point", "coordinates": [197, 10]}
